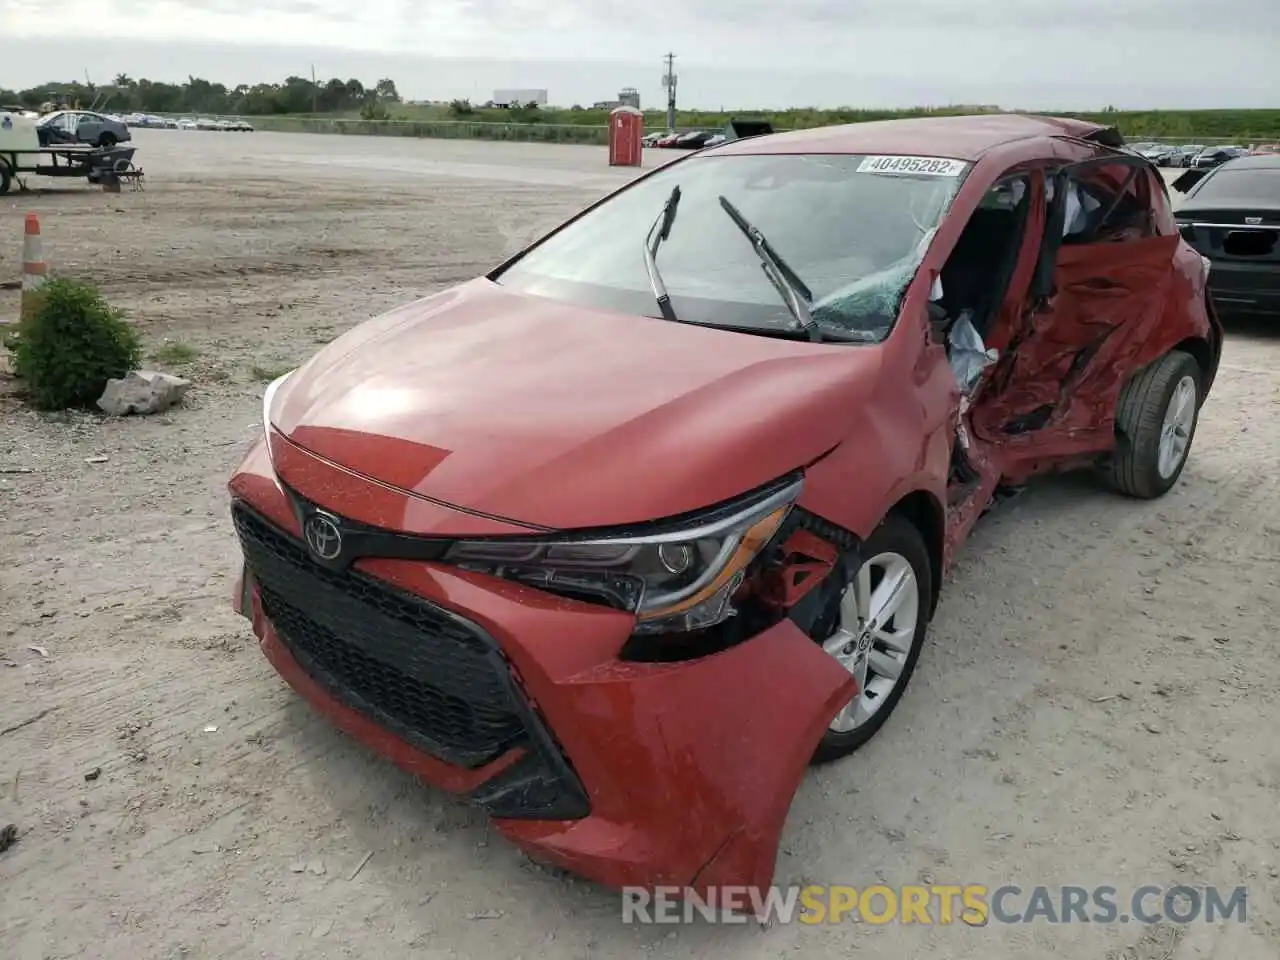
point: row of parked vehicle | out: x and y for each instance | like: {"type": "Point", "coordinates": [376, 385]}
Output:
{"type": "Point", "coordinates": [691, 140]}
{"type": "Point", "coordinates": [1197, 155]}
{"type": "Point", "coordinates": [187, 123]}
{"type": "Point", "coordinates": [106, 130]}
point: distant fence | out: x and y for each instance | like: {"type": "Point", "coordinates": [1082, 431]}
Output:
{"type": "Point", "coordinates": [446, 129]}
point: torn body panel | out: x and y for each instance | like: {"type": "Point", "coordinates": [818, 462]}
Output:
{"type": "Point", "coordinates": [1123, 290]}
{"type": "Point", "coordinates": [1067, 369]}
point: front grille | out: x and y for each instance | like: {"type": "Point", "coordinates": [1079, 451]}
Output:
{"type": "Point", "coordinates": [410, 666]}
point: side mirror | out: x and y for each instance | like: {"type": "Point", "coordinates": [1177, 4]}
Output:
{"type": "Point", "coordinates": [1055, 223]}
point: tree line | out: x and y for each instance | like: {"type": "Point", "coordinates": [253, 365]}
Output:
{"type": "Point", "coordinates": [295, 95]}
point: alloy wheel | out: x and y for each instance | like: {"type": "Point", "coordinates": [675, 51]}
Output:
{"type": "Point", "coordinates": [879, 613]}
{"type": "Point", "coordinates": [1175, 433]}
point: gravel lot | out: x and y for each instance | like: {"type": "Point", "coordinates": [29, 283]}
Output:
{"type": "Point", "coordinates": [1097, 704]}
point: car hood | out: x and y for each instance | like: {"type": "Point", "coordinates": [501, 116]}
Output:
{"type": "Point", "coordinates": [558, 416]}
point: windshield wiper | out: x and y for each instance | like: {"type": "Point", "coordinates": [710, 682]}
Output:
{"type": "Point", "coordinates": [659, 232]}
{"type": "Point", "coordinates": [795, 292]}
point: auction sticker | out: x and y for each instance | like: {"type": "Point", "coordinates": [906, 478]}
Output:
{"type": "Point", "coordinates": [926, 166]}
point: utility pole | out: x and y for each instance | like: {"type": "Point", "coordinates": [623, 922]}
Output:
{"type": "Point", "coordinates": [314, 109]}
{"type": "Point", "coordinates": [669, 81]}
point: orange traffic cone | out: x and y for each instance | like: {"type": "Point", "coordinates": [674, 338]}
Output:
{"type": "Point", "coordinates": [34, 270]}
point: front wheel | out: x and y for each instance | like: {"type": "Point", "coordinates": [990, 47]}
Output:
{"type": "Point", "coordinates": [876, 632]}
{"type": "Point", "coordinates": [1155, 424]}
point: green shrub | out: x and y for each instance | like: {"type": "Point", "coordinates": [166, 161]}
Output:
{"type": "Point", "coordinates": [72, 345]}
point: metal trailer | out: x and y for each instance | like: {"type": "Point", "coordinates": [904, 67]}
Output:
{"type": "Point", "coordinates": [107, 165]}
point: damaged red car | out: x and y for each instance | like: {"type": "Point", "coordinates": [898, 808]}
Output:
{"type": "Point", "coordinates": [618, 539]}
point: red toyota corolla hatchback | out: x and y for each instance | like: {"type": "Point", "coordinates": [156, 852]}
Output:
{"type": "Point", "coordinates": [619, 538]}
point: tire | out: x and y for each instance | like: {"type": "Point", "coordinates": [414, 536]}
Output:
{"type": "Point", "coordinates": [1143, 429]}
{"type": "Point", "coordinates": [895, 537]}
{"type": "Point", "coordinates": [5, 178]}
{"type": "Point", "coordinates": [107, 140]}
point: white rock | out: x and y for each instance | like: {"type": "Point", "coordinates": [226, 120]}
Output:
{"type": "Point", "coordinates": [143, 391]}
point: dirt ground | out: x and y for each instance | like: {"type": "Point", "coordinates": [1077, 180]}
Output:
{"type": "Point", "coordinates": [1097, 703]}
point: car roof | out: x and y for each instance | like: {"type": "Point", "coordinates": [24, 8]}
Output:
{"type": "Point", "coordinates": [962, 138]}
{"type": "Point", "coordinates": [1254, 161]}
{"type": "Point", "coordinates": [1194, 202]}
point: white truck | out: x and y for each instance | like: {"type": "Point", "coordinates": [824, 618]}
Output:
{"type": "Point", "coordinates": [21, 152]}
{"type": "Point", "coordinates": [519, 98]}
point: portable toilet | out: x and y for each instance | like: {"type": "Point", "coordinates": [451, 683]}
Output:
{"type": "Point", "coordinates": [626, 128]}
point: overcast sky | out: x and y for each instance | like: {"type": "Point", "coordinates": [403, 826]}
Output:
{"type": "Point", "coordinates": [1045, 54]}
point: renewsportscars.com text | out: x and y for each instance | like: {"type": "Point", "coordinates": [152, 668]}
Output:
{"type": "Point", "coordinates": [937, 904]}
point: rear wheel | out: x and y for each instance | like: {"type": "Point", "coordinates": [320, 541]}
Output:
{"type": "Point", "coordinates": [876, 632]}
{"type": "Point", "coordinates": [5, 177]}
{"type": "Point", "coordinates": [1155, 424]}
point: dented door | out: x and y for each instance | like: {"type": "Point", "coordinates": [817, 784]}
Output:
{"type": "Point", "coordinates": [1106, 273]}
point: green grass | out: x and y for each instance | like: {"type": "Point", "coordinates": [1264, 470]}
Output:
{"type": "Point", "coordinates": [174, 354]}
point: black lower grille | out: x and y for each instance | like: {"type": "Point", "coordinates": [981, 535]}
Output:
{"type": "Point", "coordinates": [415, 669]}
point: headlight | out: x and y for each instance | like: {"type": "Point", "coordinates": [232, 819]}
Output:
{"type": "Point", "coordinates": [676, 580]}
{"type": "Point", "coordinates": [267, 396]}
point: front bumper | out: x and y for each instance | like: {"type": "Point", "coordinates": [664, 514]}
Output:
{"type": "Point", "coordinates": [1245, 288]}
{"type": "Point", "coordinates": [627, 773]}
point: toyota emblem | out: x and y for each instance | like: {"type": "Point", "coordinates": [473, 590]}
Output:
{"type": "Point", "coordinates": [323, 536]}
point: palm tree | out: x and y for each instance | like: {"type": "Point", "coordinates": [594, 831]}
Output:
{"type": "Point", "coordinates": [124, 80]}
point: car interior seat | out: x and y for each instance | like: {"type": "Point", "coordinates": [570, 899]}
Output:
{"type": "Point", "coordinates": [977, 272]}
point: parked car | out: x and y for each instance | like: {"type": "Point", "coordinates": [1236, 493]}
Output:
{"type": "Point", "coordinates": [1266, 149]}
{"type": "Point", "coordinates": [1189, 153]}
{"type": "Point", "coordinates": [81, 126]}
{"type": "Point", "coordinates": [668, 139]}
{"type": "Point", "coordinates": [188, 123]}
{"type": "Point", "coordinates": [1152, 151]}
{"type": "Point", "coordinates": [651, 139]}
{"type": "Point", "coordinates": [694, 140]}
{"type": "Point", "coordinates": [1231, 214]}
{"type": "Point", "coordinates": [715, 140]}
{"type": "Point", "coordinates": [623, 627]}
{"type": "Point", "coordinates": [1163, 154]}
{"type": "Point", "coordinates": [1211, 157]}
{"type": "Point", "coordinates": [241, 126]}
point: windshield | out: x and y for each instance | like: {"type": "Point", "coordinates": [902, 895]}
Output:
{"type": "Point", "coordinates": [852, 228]}
{"type": "Point", "coordinates": [1244, 187]}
